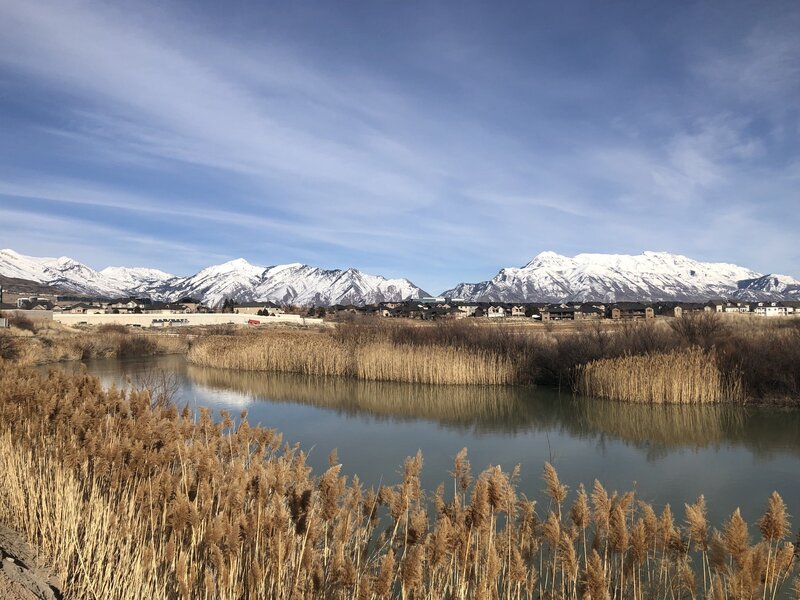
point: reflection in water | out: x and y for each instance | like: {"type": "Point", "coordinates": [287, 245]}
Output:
{"type": "Point", "coordinates": [736, 456]}
{"type": "Point", "coordinates": [496, 410]}
{"type": "Point", "coordinates": [510, 410]}
{"type": "Point", "coordinates": [478, 408]}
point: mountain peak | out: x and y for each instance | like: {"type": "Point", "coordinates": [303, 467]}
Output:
{"type": "Point", "coordinates": [551, 277]}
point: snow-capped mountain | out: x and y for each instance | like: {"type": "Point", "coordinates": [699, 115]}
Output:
{"type": "Point", "coordinates": [63, 273]}
{"type": "Point", "coordinates": [237, 279]}
{"type": "Point", "coordinates": [292, 284]}
{"type": "Point", "coordinates": [768, 286]}
{"type": "Point", "coordinates": [551, 277]}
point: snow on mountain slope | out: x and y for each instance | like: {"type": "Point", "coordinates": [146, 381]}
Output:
{"type": "Point", "coordinates": [238, 280]}
{"type": "Point", "coordinates": [551, 277]}
{"type": "Point", "coordinates": [303, 284]}
{"type": "Point", "coordinates": [131, 277]}
{"type": "Point", "coordinates": [768, 286]}
{"type": "Point", "coordinates": [64, 273]}
{"type": "Point", "coordinates": [292, 284]}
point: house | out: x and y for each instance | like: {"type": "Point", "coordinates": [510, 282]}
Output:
{"type": "Point", "coordinates": [558, 312]}
{"type": "Point", "coordinates": [467, 310]}
{"type": "Point", "coordinates": [34, 303]}
{"type": "Point", "coordinates": [771, 309]}
{"type": "Point", "coordinates": [254, 308]}
{"type": "Point", "coordinates": [632, 310]}
{"type": "Point", "coordinates": [496, 312]}
{"type": "Point", "coordinates": [736, 307]}
{"type": "Point", "coordinates": [191, 305]}
{"type": "Point", "coordinates": [80, 309]}
{"type": "Point", "coordinates": [793, 306]}
{"type": "Point", "coordinates": [518, 310]}
{"type": "Point", "coordinates": [587, 311]}
{"type": "Point", "coordinates": [717, 305]}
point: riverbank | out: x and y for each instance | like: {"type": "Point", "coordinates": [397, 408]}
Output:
{"type": "Point", "coordinates": [229, 512]}
{"type": "Point", "coordinates": [31, 343]}
{"type": "Point", "coordinates": [697, 358]}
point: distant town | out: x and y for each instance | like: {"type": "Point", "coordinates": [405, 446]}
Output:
{"type": "Point", "coordinates": [187, 311]}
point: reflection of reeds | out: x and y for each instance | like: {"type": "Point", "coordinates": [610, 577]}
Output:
{"type": "Point", "coordinates": [461, 405]}
{"type": "Point", "coordinates": [664, 425]}
{"type": "Point", "coordinates": [132, 501]}
{"type": "Point", "coordinates": [677, 377]}
{"type": "Point", "coordinates": [320, 354]}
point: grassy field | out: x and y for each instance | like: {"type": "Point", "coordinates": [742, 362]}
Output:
{"type": "Point", "coordinates": [131, 499]}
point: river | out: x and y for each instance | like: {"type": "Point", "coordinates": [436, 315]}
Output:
{"type": "Point", "coordinates": [735, 456]}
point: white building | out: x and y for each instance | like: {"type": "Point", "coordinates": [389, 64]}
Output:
{"type": "Point", "coordinates": [771, 309]}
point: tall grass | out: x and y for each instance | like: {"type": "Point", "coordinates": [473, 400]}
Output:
{"type": "Point", "coordinates": [321, 354]}
{"type": "Point", "coordinates": [50, 343]}
{"type": "Point", "coordinates": [677, 377]}
{"type": "Point", "coordinates": [131, 501]}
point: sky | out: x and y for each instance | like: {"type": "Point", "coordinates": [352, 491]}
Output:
{"type": "Point", "coordinates": [438, 141]}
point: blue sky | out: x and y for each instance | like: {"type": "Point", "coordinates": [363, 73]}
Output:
{"type": "Point", "coordinates": [437, 141]}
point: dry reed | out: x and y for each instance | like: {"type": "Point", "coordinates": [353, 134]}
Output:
{"type": "Point", "coordinates": [130, 500]}
{"type": "Point", "coordinates": [321, 354]}
{"type": "Point", "coordinates": [677, 377]}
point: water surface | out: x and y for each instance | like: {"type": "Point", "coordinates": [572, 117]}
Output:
{"type": "Point", "coordinates": [736, 456]}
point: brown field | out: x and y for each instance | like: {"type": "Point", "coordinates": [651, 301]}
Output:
{"type": "Point", "coordinates": [130, 500]}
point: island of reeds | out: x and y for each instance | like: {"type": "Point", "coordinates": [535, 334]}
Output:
{"type": "Point", "coordinates": [130, 498]}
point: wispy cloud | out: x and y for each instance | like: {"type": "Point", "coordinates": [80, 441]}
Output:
{"type": "Point", "coordinates": [432, 142]}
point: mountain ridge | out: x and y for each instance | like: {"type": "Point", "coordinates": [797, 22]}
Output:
{"type": "Point", "coordinates": [548, 277]}
{"type": "Point", "coordinates": [238, 280]}
{"type": "Point", "coordinates": [650, 276]}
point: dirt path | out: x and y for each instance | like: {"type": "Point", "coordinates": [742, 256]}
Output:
{"type": "Point", "coordinates": [22, 576]}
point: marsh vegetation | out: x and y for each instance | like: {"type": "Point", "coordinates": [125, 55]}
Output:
{"type": "Point", "coordinates": [129, 499]}
{"type": "Point", "coordinates": [697, 358]}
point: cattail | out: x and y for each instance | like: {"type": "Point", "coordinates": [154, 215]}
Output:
{"type": "Point", "coordinates": [774, 525]}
